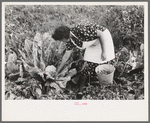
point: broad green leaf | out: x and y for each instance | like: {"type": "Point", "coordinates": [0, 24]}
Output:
{"type": "Point", "coordinates": [7, 95]}
{"type": "Point", "coordinates": [21, 71]}
{"type": "Point", "coordinates": [48, 54]}
{"type": "Point", "coordinates": [14, 76]}
{"type": "Point", "coordinates": [42, 66]}
{"type": "Point", "coordinates": [28, 46]}
{"type": "Point", "coordinates": [130, 97]}
{"type": "Point", "coordinates": [26, 66]}
{"type": "Point", "coordinates": [38, 39]}
{"type": "Point", "coordinates": [72, 72]}
{"type": "Point", "coordinates": [124, 50]}
{"type": "Point", "coordinates": [54, 85]}
{"type": "Point", "coordinates": [12, 68]}
{"type": "Point", "coordinates": [38, 64]}
{"type": "Point", "coordinates": [49, 48]}
{"type": "Point", "coordinates": [142, 47]}
{"type": "Point", "coordinates": [141, 97]}
{"type": "Point", "coordinates": [33, 71]}
{"type": "Point", "coordinates": [19, 98]}
{"type": "Point", "coordinates": [38, 92]}
{"type": "Point", "coordinates": [142, 50]}
{"type": "Point", "coordinates": [38, 60]}
{"type": "Point", "coordinates": [61, 48]}
{"type": "Point", "coordinates": [35, 56]}
{"type": "Point", "coordinates": [30, 62]}
{"type": "Point", "coordinates": [135, 61]}
{"type": "Point", "coordinates": [62, 81]}
{"type": "Point", "coordinates": [135, 53]}
{"type": "Point", "coordinates": [63, 72]}
{"type": "Point", "coordinates": [22, 54]}
{"type": "Point", "coordinates": [46, 36]}
{"type": "Point", "coordinates": [22, 79]}
{"type": "Point", "coordinates": [12, 96]}
{"type": "Point", "coordinates": [35, 49]}
{"type": "Point", "coordinates": [12, 57]}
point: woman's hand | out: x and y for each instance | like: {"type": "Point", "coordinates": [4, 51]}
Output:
{"type": "Point", "coordinates": [103, 56]}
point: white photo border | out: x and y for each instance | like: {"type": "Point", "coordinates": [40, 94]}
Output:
{"type": "Point", "coordinates": [58, 110]}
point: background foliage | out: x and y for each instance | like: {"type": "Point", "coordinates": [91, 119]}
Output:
{"type": "Point", "coordinates": [126, 23]}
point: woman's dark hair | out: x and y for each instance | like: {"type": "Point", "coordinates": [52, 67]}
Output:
{"type": "Point", "coordinates": [61, 32]}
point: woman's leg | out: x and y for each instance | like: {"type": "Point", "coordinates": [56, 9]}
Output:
{"type": "Point", "coordinates": [88, 71]}
{"type": "Point", "coordinates": [82, 82]}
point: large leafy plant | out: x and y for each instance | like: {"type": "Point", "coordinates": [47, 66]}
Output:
{"type": "Point", "coordinates": [40, 58]}
{"type": "Point", "coordinates": [41, 61]}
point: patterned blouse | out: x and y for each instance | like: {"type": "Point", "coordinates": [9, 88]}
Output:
{"type": "Point", "coordinates": [82, 33]}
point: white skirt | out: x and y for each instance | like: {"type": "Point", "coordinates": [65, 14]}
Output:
{"type": "Point", "coordinates": [93, 49]}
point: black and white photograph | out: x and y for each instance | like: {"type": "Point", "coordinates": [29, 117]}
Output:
{"type": "Point", "coordinates": [75, 52]}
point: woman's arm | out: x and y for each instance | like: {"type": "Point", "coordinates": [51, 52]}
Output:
{"type": "Point", "coordinates": [103, 44]}
{"type": "Point", "coordinates": [64, 60]}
